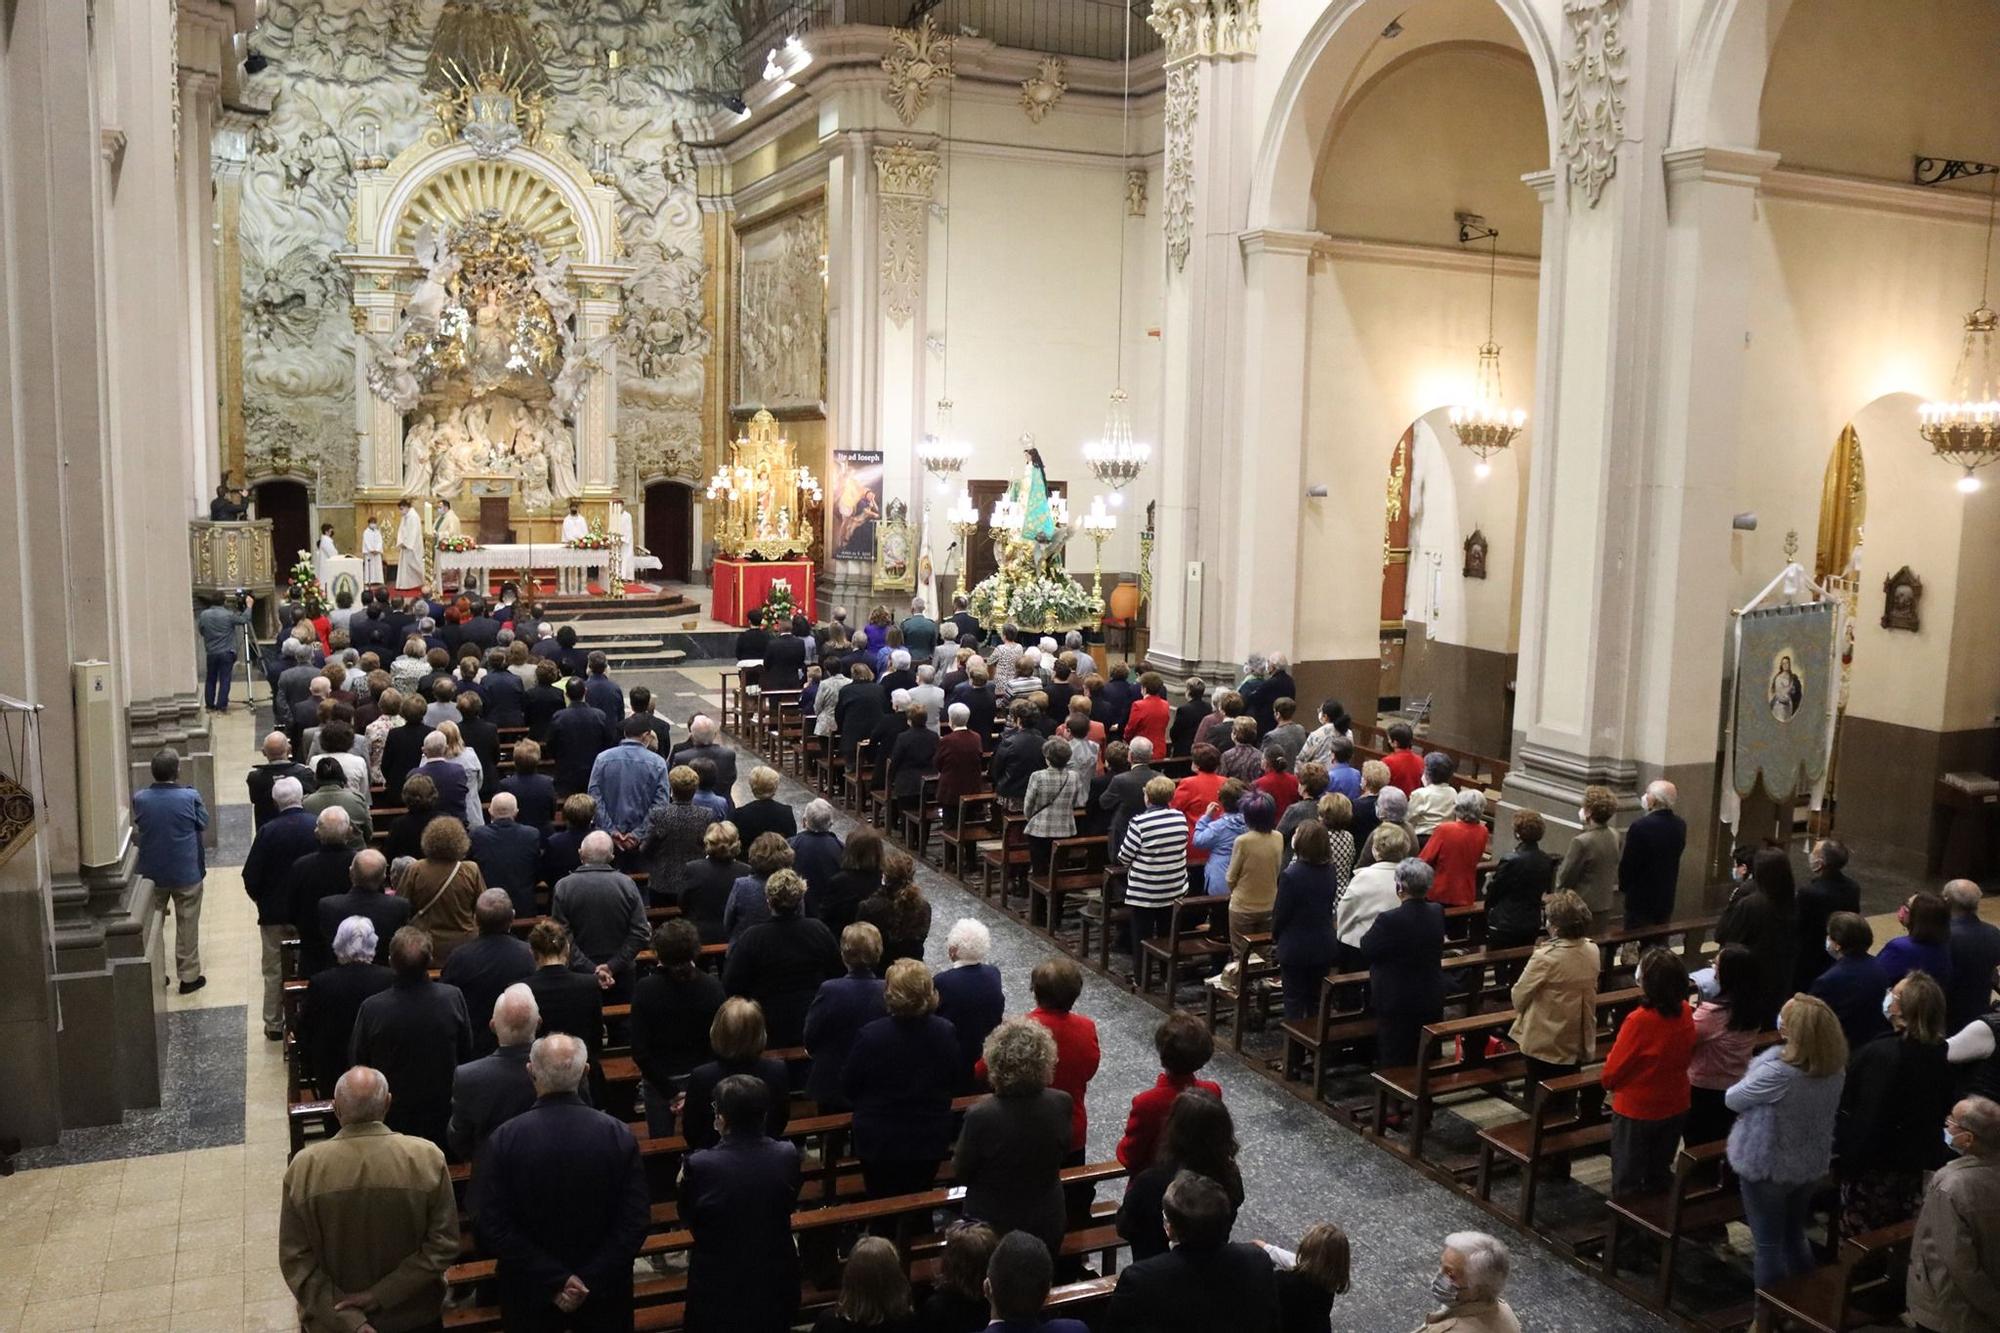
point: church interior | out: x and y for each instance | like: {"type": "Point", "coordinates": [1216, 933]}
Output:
{"type": "Point", "coordinates": [1171, 330]}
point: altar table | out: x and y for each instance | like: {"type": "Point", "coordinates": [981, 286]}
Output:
{"type": "Point", "coordinates": [474, 568]}
{"type": "Point", "coordinates": [741, 586]}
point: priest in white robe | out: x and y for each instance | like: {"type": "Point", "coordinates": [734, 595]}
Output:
{"type": "Point", "coordinates": [371, 553]}
{"type": "Point", "coordinates": [447, 521]}
{"type": "Point", "coordinates": [324, 553]}
{"type": "Point", "coordinates": [621, 528]}
{"type": "Point", "coordinates": [574, 524]}
{"type": "Point", "coordinates": [409, 547]}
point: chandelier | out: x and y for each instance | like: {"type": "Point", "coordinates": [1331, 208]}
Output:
{"type": "Point", "coordinates": [1965, 432]}
{"type": "Point", "coordinates": [1115, 460]}
{"type": "Point", "coordinates": [1486, 425]}
{"type": "Point", "coordinates": [942, 456]}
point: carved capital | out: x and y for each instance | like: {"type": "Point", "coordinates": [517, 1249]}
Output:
{"type": "Point", "coordinates": [1135, 191]}
{"type": "Point", "coordinates": [1198, 29]}
{"type": "Point", "coordinates": [905, 170]}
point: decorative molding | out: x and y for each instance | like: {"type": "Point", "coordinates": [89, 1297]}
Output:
{"type": "Point", "coordinates": [1876, 196]}
{"type": "Point", "coordinates": [1183, 104]}
{"type": "Point", "coordinates": [917, 58]}
{"type": "Point", "coordinates": [1041, 91]}
{"type": "Point", "coordinates": [904, 175]}
{"type": "Point", "coordinates": [1135, 192]}
{"type": "Point", "coordinates": [173, 77]}
{"type": "Point", "coordinates": [111, 146]}
{"type": "Point", "coordinates": [1593, 94]}
{"type": "Point", "coordinates": [1715, 165]}
{"type": "Point", "coordinates": [1199, 29]}
{"type": "Point", "coordinates": [1449, 258]}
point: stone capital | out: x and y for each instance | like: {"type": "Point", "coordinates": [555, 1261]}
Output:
{"type": "Point", "coordinates": [1205, 29]}
{"type": "Point", "coordinates": [905, 171]}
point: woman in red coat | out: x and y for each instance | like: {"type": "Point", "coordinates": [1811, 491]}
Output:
{"type": "Point", "coordinates": [1150, 714]}
{"type": "Point", "coordinates": [1455, 849]}
{"type": "Point", "coordinates": [1647, 1076]}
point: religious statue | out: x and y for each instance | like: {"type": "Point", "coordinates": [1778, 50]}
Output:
{"type": "Point", "coordinates": [1031, 492]}
{"type": "Point", "coordinates": [441, 264]}
{"type": "Point", "coordinates": [419, 458]}
{"type": "Point", "coordinates": [489, 346]}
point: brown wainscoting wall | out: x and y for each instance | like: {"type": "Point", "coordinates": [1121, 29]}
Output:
{"type": "Point", "coordinates": [1354, 681]}
{"type": "Point", "coordinates": [1886, 780]}
{"type": "Point", "coordinates": [1468, 689]}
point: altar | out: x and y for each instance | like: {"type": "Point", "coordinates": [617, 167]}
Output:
{"type": "Point", "coordinates": [476, 567]}
{"type": "Point", "coordinates": [741, 586]}
{"type": "Point", "coordinates": [763, 537]}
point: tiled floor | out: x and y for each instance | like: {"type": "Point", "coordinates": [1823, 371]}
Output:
{"type": "Point", "coordinates": [188, 1240]}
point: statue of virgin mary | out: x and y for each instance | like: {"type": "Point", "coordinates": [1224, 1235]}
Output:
{"type": "Point", "coordinates": [1031, 492]}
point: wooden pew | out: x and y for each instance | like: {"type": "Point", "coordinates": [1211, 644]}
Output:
{"type": "Point", "coordinates": [1703, 1196]}
{"type": "Point", "coordinates": [1076, 865]}
{"type": "Point", "coordinates": [1188, 939]}
{"type": "Point", "coordinates": [1863, 1287]}
{"type": "Point", "coordinates": [1566, 1115]}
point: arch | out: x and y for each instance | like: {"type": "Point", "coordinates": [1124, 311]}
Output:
{"type": "Point", "coordinates": [1719, 83]}
{"type": "Point", "coordinates": [541, 190]}
{"type": "Point", "coordinates": [1305, 107]}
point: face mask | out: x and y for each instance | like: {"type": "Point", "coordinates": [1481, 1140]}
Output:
{"type": "Point", "coordinates": [1582, 816]}
{"type": "Point", "coordinates": [1780, 1025]}
{"type": "Point", "coordinates": [1947, 1143]}
{"type": "Point", "coordinates": [1443, 1289]}
{"type": "Point", "coordinates": [1832, 950]}
{"type": "Point", "coordinates": [1887, 1000]}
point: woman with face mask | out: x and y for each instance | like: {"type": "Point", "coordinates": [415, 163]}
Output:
{"type": "Point", "coordinates": [1898, 1087]}
{"type": "Point", "coordinates": [1471, 1273]}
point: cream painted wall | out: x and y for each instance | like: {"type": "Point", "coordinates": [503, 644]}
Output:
{"type": "Point", "coordinates": [1447, 129]}
{"type": "Point", "coordinates": [1448, 500]}
{"type": "Point", "coordinates": [1856, 316]}
{"type": "Point", "coordinates": [1860, 87]}
{"type": "Point", "coordinates": [1390, 343]}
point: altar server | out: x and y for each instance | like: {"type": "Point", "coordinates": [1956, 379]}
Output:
{"type": "Point", "coordinates": [447, 521]}
{"type": "Point", "coordinates": [409, 547]}
{"type": "Point", "coordinates": [371, 553]}
{"type": "Point", "coordinates": [574, 524]}
{"type": "Point", "coordinates": [324, 553]}
{"type": "Point", "coordinates": [621, 528]}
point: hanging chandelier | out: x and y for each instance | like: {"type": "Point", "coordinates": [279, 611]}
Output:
{"type": "Point", "coordinates": [1486, 425]}
{"type": "Point", "coordinates": [1114, 458]}
{"type": "Point", "coordinates": [1965, 432]}
{"type": "Point", "coordinates": [942, 456]}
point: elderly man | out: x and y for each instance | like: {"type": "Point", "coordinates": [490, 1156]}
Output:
{"type": "Point", "coordinates": [321, 873]}
{"type": "Point", "coordinates": [1125, 795]}
{"type": "Point", "coordinates": [602, 692]}
{"type": "Point", "coordinates": [278, 763]}
{"type": "Point", "coordinates": [331, 790]}
{"type": "Point", "coordinates": [448, 775]}
{"type": "Point", "coordinates": [926, 695]}
{"type": "Point", "coordinates": [920, 632]}
{"type": "Point", "coordinates": [577, 735]}
{"type": "Point", "coordinates": [1954, 1282]}
{"type": "Point", "coordinates": [628, 782]}
{"type": "Point", "coordinates": [1975, 954]}
{"type": "Point", "coordinates": [367, 896]}
{"type": "Point", "coordinates": [488, 1092]}
{"type": "Point", "coordinates": [1471, 1273]}
{"type": "Point", "coordinates": [292, 690]}
{"type": "Point", "coordinates": [508, 853]}
{"type": "Point", "coordinates": [1829, 890]}
{"type": "Point", "coordinates": [488, 963]}
{"type": "Point", "coordinates": [267, 873]}
{"type": "Point", "coordinates": [368, 1223]}
{"type": "Point", "coordinates": [1205, 1281]}
{"type": "Point", "coordinates": [559, 1198]}
{"type": "Point", "coordinates": [416, 1032]}
{"type": "Point", "coordinates": [168, 819]}
{"type": "Point", "coordinates": [605, 914]}
{"type": "Point", "coordinates": [701, 744]}
{"type": "Point", "coordinates": [1650, 865]}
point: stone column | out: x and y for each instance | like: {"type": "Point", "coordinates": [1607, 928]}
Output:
{"type": "Point", "coordinates": [904, 176]}
{"type": "Point", "coordinates": [1204, 202]}
{"type": "Point", "coordinates": [597, 414]}
{"type": "Point", "coordinates": [200, 101]}
{"type": "Point", "coordinates": [853, 335]}
{"type": "Point", "coordinates": [378, 426]}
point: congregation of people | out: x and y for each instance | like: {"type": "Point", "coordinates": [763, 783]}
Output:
{"type": "Point", "coordinates": [445, 1037]}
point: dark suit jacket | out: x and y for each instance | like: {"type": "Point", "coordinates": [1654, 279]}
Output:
{"type": "Point", "coordinates": [539, 705]}
{"type": "Point", "coordinates": [577, 735]}
{"type": "Point", "coordinates": [1187, 722]}
{"type": "Point", "coordinates": [780, 964]}
{"type": "Point", "coordinates": [482, 630]}
{"type": "Point", "coordinates": [503, 693]}
{"type": "Point", "coordinates": [1302, 917]}
{"type": "Point", "coordinates": [483, 739]}
{"type": "Point", "coordinates": [910, 758]}
{"type": "Point", "coordinates": [1278, 685]}
{"type": "Point", "coordinates": [388, 914]}
{"type": "Point", "coordinates": [856, 714]}
{"type": "Point", "coordinates": [1404, 949]}
{"type": "Point", "coordinates": [481, 968]}
{"type": "Point", "coordinates": [260, 780]}
{"type": "Point", "coordinates": [961, 768]}
{"type": "Point", "coordinates": [816, 857]}
{"type": "Point", "coordinates": [1197, 1291]}
{"type": "Point", "coordinates": [670, 1022]}
{"type": "Point", "coordinates": [571, 1002]}
{"type": "Point", "coordinates": [562, 854]}
{"type": "Point", "coordinates": [559, 1191]}
{"type": "Point", "coordinates": [509, 854]}
{"type": "Point", "coordinates": [316, 876]}
{"type": "Point", "coordinates": [971, 999]}
{"type": "Point", "coordinates": [536, 796]}
{"type": "Point", "coordinates": [267, 871]}
{"type": "Point", "coordinates": [721, 756]}
{"type": "Point", "coordinates": [1975, 952]}
{"type": "Point", "coordinates": [1818, 900]}
{"type": "Point", "coordinates": [417, 1033]}
{"type": "Point", "coordinates": [603, 694]}
{"type": "Point", "coordinates": [840, 1009]}
{"type": "Point", "coordinates": [698, 1111]}
{"type": "Point", "coordinates": [326, 1017]}
{"type": "Point", "coordinates": [1651, 863]}
{"type": "Point", "coordinates": [402, 751]}
{"type": "Point", "coordinates": [743, 1270]}
{"type": "Point", "coordinates": [784, 663]}
{"type": "Point", "coordinates": [769, 815]}
{"type": "Point", "coordinates": [485, 1094]}
{"type": "Point", "coordinates": [983, 707]}
{"type": "Point", "coordinates": [1015, 760]}
{"type": "Point", "coordinates": [900, 1077]}
{"type": "Point", "coordinates": [1853, 989]}
{"type": "Point", "coordinates": [1125, 796]}
{"type": "Point", "coordinates": [1009, 1158]}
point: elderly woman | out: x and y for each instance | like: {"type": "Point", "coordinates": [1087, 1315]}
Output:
{"type": "Point", "coordinates": [410, 670]}
{"type": "Point", "coordinates": [816, 851]}
{"type": "Point", "coordinates": [675, 834]}
{"type": "Point", "coordinates": [1647, 1077]}
{"type": "Point", "coordinates": [1517, 886]}
{"type": "Point", "coordinates": [1472, 1272]}
{"type": "Point", "coordinates": [443, 886]}
{"type": "Point", "coordinates": [1405, 950]}
{"type": "Point", "coordinates": [840, 1008]}
{"type": "Point", "coordinates": [1456, 848]}
{"type": "Point", "coordinates": [858, 879]}
{"type": "Point", "coordinates": [1782, 1141]}
{"type": "Point", "coordinates": [707, 880]}
{"type": "Point", "coordinates": [1392, 806]}
{"type": "Point", "coordinates": [1302, 919]}
{"type": "Point", "coordinates": [747, 905]}
{"type": "Point", "coordinates": [1011, 1149]}
{"type": "Point", "coordinates": [901, 1073]}
{"type": "Point", "coordinates": [1898, 1087]}
{"type": "Point", "coordinates": [1054, 793]}
{"type": "Point", "coordinates": [333, 998]}
{"type": "Point", "coordinates": [899, 910]}
{"type": "Point", "coordinates": [1216, 832]}
{"type": "Point", "coordinates": [1590, 865]}
{"type": "Point", "coordinates": [1254, 858]}
{"type": "Point", "coordinates": [1370, 893]}
{"type": "Point", "coordinates": [1336, 815]}
{"type": "Point", "coordinates": [1312, 786]}
{"type": "Point", "coordinates": [738, 1039]}
{"type": "Point", "coordinates": [406, 835]}
{"type": "Point", "coordinates": [1374, 779]}
{"type": "Point", "coordinates": [781, 961]}
{"type": "Point", "coordinates": [1555, 998]}
{"type": "Point", "coordinates": [456, 750]}
{"type": "Point", "coordinates": [1433, 803]}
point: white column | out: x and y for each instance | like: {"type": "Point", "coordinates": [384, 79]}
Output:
{"type": "Point", "coordinates": [904, 178]}
{"type": "Point", "coordinates": [378, 426]}
{"type": "Point", "coordinates": [597, 415]}
{"type": "Point", "coordinates": [200, 94]}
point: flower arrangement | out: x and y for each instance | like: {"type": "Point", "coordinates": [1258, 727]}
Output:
{"type": "Point", "coordinates": [778, 608]}
{"type": "Point", "coordinates": [306, 586]}
{"type": "Point", "coordinates": [1035, 601]}
{"type": "Point", "coordinates": [458, 542]}
{"type": "Point", "coordinates": [594, 540]}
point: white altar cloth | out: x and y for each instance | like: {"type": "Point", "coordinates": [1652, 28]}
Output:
{"type": "Point", "coordinates": [572, 566]}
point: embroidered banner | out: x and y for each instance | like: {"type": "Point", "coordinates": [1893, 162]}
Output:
{"type": "Point", "coordinates": [1787, 677]}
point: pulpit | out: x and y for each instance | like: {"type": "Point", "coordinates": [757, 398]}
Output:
{"type": "Point", "coordinates": [228, 556]}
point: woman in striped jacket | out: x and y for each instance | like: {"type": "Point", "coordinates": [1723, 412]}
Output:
{"type": "Point", "coordinates": [1154, 854]}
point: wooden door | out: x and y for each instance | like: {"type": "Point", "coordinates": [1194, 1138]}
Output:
{"type": "Point", "coordinates": [288, 507]}
{"type": "Point", "coordinates": [669, 532]}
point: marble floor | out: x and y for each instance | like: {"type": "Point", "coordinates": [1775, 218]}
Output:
{"type": "Point", "coordinates": [185, 1238]}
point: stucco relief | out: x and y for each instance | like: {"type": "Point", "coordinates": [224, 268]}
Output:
{"type": "Point", "coordinates": [1040, 94]}
{"type": "Point", "coordinates": [904, 175]}
{"type": "Point", "coordinates": [1593, 94]}
{"type": "Point", "coordinates": [1183, 94]}
{"type": "Point", "coordinates": [917, 58]}
{"type": "Point", "coordinates": [781, 311]}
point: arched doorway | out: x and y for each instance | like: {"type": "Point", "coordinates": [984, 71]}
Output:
{"type": "Point", "coordinates": [289, 508]}
{"type": "Point", "coordinates": [670, 528]}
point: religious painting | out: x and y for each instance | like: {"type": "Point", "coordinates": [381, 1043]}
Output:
{"type": "Point", "coordinates": [894, 550]}
{"type": "Point", "coordinates": [1475, 555]}
{"type": "Point", "coordinates": [1786, 682]}
{"type": "Point", "coordinates": [857, 503]}
{"type": "Point", "coordinates": [1901, 592]}
{"type": "Point", "coordinates": [781, 312]}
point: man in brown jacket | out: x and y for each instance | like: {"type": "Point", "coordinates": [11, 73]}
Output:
{"type": "Point", "coordinates": [1955, 1255]}
{"type": "Point", "coordinates": [368, 1222]}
